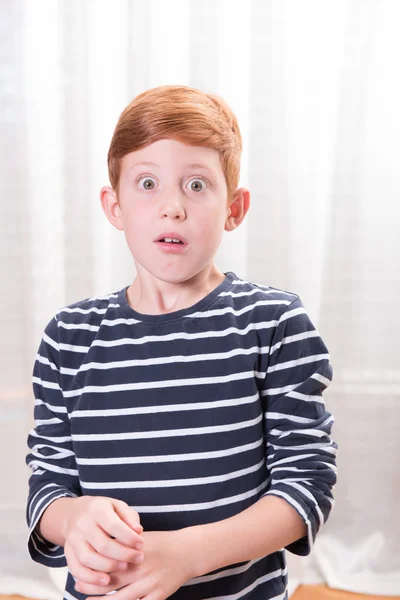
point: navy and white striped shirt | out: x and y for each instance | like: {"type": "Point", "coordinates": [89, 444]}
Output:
{"type": "Point", "coordinates": [189, 417]}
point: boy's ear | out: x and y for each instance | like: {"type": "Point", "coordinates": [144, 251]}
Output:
{"type": "Point", "coordinates": [238, 208]}
{"type": "Point", "coordinates": [111, 207]}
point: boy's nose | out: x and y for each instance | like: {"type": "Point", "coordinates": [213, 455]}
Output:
{"type": "Point", "coordinates": [173, 209]}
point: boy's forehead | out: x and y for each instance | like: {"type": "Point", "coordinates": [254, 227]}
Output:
{"type": "Point", "coordinates": [173, 152]}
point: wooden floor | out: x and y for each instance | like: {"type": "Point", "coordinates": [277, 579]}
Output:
{"type": "Point", "coordinates": [304, 592]}
{"type": "Point", "coordinates": [321, 592]}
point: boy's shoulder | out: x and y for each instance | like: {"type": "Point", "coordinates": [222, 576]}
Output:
{"type": "Point", "coordinates": [91, 310]}
{"type": "Point", "coordinates": [91, 302]}
{"type": "Point", "coordinates": [243, 287]}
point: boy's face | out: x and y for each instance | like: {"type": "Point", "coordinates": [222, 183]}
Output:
{"type": "Point", "coordinates": [171, 190]}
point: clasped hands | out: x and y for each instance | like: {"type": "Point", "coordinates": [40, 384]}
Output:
{"type": "Point", "coordinates": [106, 550]}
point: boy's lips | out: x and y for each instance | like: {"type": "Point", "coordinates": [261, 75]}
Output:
{"type": "Point", "coordinates": [165, 242]}
{"type": "Point", "coordinates": [171, 235]}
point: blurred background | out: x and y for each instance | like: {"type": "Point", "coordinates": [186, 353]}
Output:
{"type": "Point", "coordinates": [315, 85]}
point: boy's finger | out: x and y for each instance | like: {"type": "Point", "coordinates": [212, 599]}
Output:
{"type": "Point", "coordinates": [84, 573]}
{"type": "Point", "coordinates": [128, 515]}
{"type": "Point", "coordinates": [87, 588]}
{"type": "Point", "coordinates": [110, 522]}
{"type": "Point", "coordinates": [138, 590]}
{"type": "Point", "coordinates": [91, 557]}
{"type": "Point", "coordinates": [108, 547]}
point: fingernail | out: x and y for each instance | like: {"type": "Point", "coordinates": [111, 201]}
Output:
{"type": "Point", "coordinates": [122, 565]}
{"type": "Point", "coordinates": [103, 581]}
{"type": "Point", "coordinates": [138, 559]}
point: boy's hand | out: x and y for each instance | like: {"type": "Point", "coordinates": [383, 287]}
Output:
{"type": "Point", "coordinates": [166, 567]}
{"type": "Point", "coordinates": [101, 535]}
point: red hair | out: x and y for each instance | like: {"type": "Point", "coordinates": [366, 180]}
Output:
{"type": "Point", "coordinates": [181, 113]}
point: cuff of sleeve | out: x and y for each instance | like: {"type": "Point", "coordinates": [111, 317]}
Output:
{"type": "Point", "coordinates": [41, 550]}
{"type": "Point", "coordinates": [303, 546]}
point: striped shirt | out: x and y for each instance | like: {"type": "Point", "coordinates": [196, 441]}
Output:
{"type": "Point", "coordinates": [189, 417]}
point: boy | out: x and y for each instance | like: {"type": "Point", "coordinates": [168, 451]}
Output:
{"type": "Point", "coordinates": [181, 439]}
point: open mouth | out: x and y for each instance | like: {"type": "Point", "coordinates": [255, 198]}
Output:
{"type": "Point", "coordinates": [170, 240]}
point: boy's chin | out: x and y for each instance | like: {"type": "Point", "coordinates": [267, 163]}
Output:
{"type": "Point", "coordinates": [177, 279]}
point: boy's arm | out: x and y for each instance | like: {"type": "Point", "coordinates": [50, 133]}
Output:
{"type": "Point", "coordinates": [51, 457]}
{"type": "Point", "coordinates": [300, 455]}
{"type": "Point", "coordinates": [265, 527]}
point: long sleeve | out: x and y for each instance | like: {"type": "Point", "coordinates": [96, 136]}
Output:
{"type": "Point", "coordinates": [51, 458]}
{"type": "Point", "coordinates": [300, 454]}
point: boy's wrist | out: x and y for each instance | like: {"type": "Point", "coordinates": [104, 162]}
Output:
{"type": "Point", "coordinates": [53, 523]}
{"type": "Point", "coordinates": [194, 545]}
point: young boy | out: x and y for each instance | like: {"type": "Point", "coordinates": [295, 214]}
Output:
{"type": "Point", "coordinates": [181, 440]}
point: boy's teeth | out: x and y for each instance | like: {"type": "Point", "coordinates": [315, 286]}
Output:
{"type": "Point", "coordinates": [172, 240]}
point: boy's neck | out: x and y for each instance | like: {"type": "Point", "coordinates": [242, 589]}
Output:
{"type": "Point", "coordinates": [151, 296]}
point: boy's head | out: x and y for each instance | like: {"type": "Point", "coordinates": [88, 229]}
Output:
{"type": "Point", "coordinates": [174, 168]}
{"type": "Point", "coordinates": [181, 113]}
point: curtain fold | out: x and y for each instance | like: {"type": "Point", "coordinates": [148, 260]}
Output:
{"type": "Point", "coordinates": [316, 90]}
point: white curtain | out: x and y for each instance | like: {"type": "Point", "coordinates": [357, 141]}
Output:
{"type": "Point", "coordinates": [316, 87]}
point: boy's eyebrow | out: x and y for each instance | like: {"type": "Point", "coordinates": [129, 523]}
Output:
{"type": "Point", "coordinates": [199, 166]}
{"type": "Point", "coordinates": [144, 163]}
{"type": "Point", "coordinates": [191, 165]}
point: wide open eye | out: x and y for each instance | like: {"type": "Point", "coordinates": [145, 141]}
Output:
{"type": "Point", "coordinates": [147, 183]}
{"type": "Point", "coordinates": [197, 185]}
